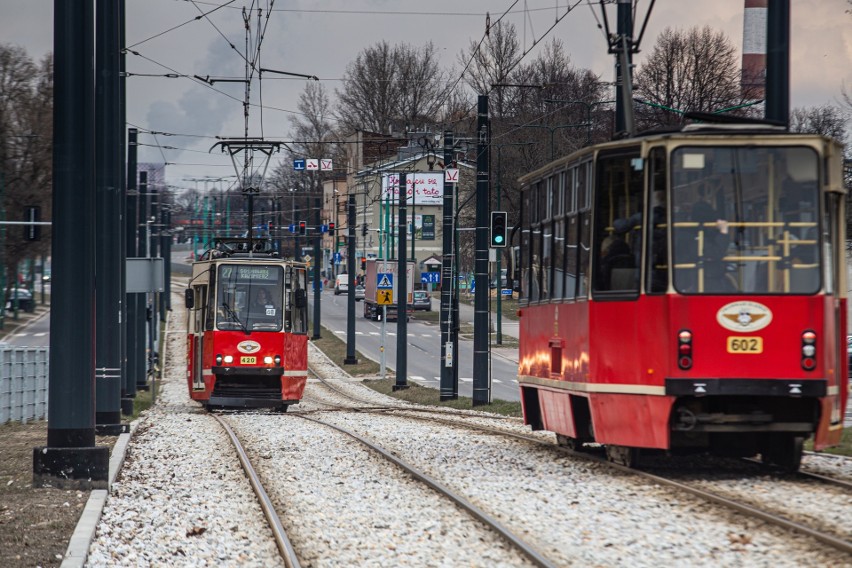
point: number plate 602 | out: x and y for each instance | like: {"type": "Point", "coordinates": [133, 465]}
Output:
{"type": "Point", "coordinates": [745, 345]}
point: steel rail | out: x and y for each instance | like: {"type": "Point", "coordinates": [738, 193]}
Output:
{"type": "Point", "coordinates": [772, 518]}
{"type": "Point", "coordinates": [288, 554]}
{"type": "Point", "coordinates": [527, 550]}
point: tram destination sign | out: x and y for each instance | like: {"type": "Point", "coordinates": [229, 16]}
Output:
{"type": "Point", "coordinates": [251, 273]}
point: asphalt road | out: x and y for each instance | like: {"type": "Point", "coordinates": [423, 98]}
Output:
{"type": "Point", "coordinates": [424, 347]}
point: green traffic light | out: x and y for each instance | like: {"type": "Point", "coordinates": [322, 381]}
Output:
{"type": "Point", "coordinates": [498, 239]}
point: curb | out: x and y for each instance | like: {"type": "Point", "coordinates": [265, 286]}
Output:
{"type": "Point", "coordinates": [78, 547]}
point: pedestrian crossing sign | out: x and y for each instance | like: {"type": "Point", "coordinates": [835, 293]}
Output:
{"type": "Point", "coordinates": [384, 297]}
{"type": "Point", "coordinates": [385, 281]}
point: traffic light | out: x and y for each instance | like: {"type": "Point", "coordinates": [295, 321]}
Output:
{"type": "Point", "coordinates": [363, 263]}
{"type": "Point", "coordinates": [303, 228]}
{"type": "Point", "coordinates": [331, 229]}
{"type": "Point", "coordinates": [498, 229]}
{"type": "Point", "coordinates": [364, 230]}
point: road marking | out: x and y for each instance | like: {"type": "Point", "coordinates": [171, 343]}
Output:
{"type": "Point", "coordinates": [466, 379]}
{"type": "Point", "coordinates": [375, 333]}
{"type": "Point", "coordinates": [20, 334]}
{"type": "Point", "coordinates": [42, 334]}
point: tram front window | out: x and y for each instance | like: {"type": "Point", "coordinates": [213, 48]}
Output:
{"type": "Point", "coordinates": [249, 298]}
{"type": "Point", "coordinates": [745, 220]}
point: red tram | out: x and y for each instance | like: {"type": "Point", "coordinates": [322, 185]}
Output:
{"type": "Point", "coordinates": [685, 291]}
{"type": "Point", "coordinates": [247, 323]}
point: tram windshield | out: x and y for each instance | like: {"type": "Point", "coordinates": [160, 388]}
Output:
{"type": "Point", "coordinates": [249, 297]}
{"type": "Point", "coordinates": [746, 220]}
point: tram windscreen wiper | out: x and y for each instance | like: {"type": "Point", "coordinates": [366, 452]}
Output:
{"type": "Point", "coordinates": [231, 314]}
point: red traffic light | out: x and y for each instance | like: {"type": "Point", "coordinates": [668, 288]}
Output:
{"type": "Point", "coordinates": [331, 229]}
{"type": "Point", "coordinates": [303, 227]}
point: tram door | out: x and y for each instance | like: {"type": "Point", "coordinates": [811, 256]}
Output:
{"type": "Point", "coordinates": [198, 337]}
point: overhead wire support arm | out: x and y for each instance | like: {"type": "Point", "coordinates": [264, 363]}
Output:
{"type": "Point", "coordinates": [288, 73]}
{"type": "Point", "coordinates": [238, 145]}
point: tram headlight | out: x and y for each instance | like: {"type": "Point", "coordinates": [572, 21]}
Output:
{"type": "Point", "coordinates": [684, 349]}
{"type": "Point", "coordinates": [278, 360]}
{"type": "Point", "coordinates": [267, 360]}
{"type": "Point", "coordinates": [229, 358]}
{"type": "Point", "coordinates": [218, 358]}
{"type": "Point", "coordinates": [809, 343]}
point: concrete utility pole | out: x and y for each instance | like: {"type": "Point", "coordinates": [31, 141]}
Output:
{"type": "Point", "coordinates": [402, 290]}
{"type": "Point", "coordinates": [71, 459]}
{"type": "Point", "coordinates": [624, 68]}
{"type": "Point", "coordinates": [449, 326]}
{"type": "Point", "coordinates": [132, 199]}
{"type": "Point", "coordinates": [778, 62]}
{"type": "Point", "coordinates": [481, 370]}
{"type": "Point", "coordinates": [108, 258]}
{"type": "Point", "coordinates": [350, 275]}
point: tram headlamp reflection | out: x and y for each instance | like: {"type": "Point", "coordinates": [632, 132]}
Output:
{"type": "Point", "coordinates": [278, 360]}
{"type": "Point", "coordinates": [218, 358]}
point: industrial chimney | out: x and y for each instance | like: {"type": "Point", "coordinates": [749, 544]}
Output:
{"type": "Point", "coordinates": [753, 81]}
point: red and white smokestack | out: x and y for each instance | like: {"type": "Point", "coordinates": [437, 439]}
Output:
{"type": "Point", "coordinates": [754, 49]}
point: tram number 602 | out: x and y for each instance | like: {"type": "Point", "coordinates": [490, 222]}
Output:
{"type": "Point", "coordinates": [750, 345]}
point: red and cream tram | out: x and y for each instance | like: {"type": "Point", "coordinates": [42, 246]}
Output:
{"type": "Point", "coordinates": [247, 343]}
{"type": "Point", "coordinates": [687, 291]}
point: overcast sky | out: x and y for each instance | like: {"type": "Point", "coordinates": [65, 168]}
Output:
{"type": "Point", "coordinates": [321, 37]}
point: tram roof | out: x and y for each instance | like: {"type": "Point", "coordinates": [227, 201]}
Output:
{"type": "Point", "coordinates": [705, 132]}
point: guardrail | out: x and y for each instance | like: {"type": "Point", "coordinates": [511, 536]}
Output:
{"type": "Point", "coordinates": [23, 383]}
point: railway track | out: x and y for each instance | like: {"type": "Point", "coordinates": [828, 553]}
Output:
{"type": "Point", "coordinates": [832, 539]}
{"type": "Point", "coordinates": [288, 555]}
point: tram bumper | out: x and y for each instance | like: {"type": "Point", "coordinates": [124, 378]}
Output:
{"type": "Point", "coordinates": [247, 387]}
{"type": "Point", "coordinates": [745, 405]}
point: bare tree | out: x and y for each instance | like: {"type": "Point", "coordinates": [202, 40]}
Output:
{"type": "Point", "coordinates": [826, 119]}
{"type": "Point", "coordinates": [693, 70]}
{"type": "Point", "coordinates": [490, 62]}
{"type": "Point", "coordinates": [26, 115]}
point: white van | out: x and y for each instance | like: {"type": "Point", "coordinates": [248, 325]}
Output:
{"type": "Point", "coordinates": [341, 285]}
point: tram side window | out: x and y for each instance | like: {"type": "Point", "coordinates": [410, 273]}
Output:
{"type": "Point", "coordinates": [584, 180]}
{"type": "Point", "coordinates": [525, 245]}
{"type": "Point", "coordinates": [657, 234]}
{"type": "Point", "coordinates": [299, 303]}
{"type": "Point", "coordinates": [210, 303]}
{"type": "Point", "coordinates": [618, 223]}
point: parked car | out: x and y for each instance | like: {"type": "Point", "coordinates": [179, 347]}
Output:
{"type": "Point", "coordinates": [422, 301]}
{"type": "Point", "coordinates": [341, 284]}
{"type": "Point", "coordinates": [26, 302]}
{"type": "Point", "coordinates": [359, 293]}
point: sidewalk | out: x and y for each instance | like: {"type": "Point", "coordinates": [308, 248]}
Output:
{"type": "Point", "coordinates": [12, 326]}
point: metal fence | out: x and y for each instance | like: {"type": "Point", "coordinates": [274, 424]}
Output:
{"type": "Point", "coordinates": [23, 383]}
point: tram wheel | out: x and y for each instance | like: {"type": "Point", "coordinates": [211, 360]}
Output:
{"type": "Point", "coordinates": [282, 408]}
{"type": "Point", "coordinates": [572, 444]}
{"type": "Point", "coordinates": [624, 455]}
{"type": "Point", "coordinates": [783, 452]}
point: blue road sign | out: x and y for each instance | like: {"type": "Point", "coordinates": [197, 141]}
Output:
{"type": "Point", "coordinates": [384, 281]}
{"type": "Point", "coordinates": [291, 227]}
{"type": "Point", "coordinates": [298, 165]}
{"type": "Point", "coordinates": [430, 277]}
{"type": "Point", "coordinates": [323, 228]}
{"type": "Point", "coordinates": [506, 291]}
{"type": "Point", "coordinates": [338, 258]}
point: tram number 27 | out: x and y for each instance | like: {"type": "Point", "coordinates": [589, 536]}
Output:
{"type": "Point", "coordinates": [745, 345]}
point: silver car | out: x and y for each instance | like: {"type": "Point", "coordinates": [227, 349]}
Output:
{"type": "Point", "coordinates": [359, 293]}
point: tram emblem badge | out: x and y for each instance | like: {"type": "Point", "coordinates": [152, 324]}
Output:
{"type": "Point", "coordinates": [248, 346]}
{"type": "Point", "coordinates": [744, 316]}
